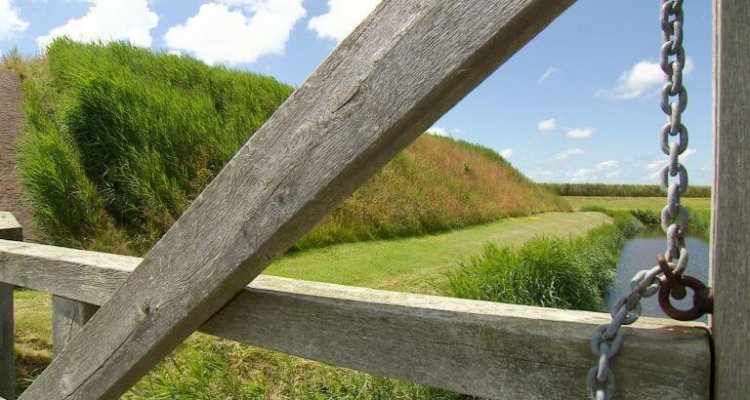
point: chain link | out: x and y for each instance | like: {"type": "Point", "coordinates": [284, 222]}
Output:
{"type": "Point", "coordinates": [608, 339]}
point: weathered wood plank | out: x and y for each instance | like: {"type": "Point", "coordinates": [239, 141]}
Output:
{"type": "Point", "coordinates": [68, 319]}
{"type": "Point", "coordinates": [7, 360]}
{"type": "Point", "coordinates": [731, 200]}
{"type": "Point", "coordinates": [401, 69]}
{"type": "Point", "coordinates": [10, 229]}
{"type": "Point", "coordinates": [479, 348]}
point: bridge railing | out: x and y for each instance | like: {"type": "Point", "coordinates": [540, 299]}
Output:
{"type": "Point", "coordinates": [474, 347]}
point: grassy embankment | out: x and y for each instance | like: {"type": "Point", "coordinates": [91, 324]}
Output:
{"type": "Point", "coordinates": [120, 140]}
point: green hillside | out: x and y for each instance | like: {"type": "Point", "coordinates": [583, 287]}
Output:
{"type": "Point", "coordinates": [120, 140]}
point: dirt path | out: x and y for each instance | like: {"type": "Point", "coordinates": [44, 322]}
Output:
{"type": "Point", "coordinates": [11, 118]}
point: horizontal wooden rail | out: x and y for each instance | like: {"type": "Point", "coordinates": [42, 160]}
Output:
{"type": "Point", "coordinates": [479, 348]}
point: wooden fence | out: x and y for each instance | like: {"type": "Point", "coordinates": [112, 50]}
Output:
{"type": "Point", "coordinates": [397, 73]}
{"type": "Point", "coordinates": [480, 348]}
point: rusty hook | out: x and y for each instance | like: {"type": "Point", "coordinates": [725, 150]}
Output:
{"type": "Point", "coordinates": [673, 285]}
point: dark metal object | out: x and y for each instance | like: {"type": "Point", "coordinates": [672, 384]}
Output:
{"type": "Point", "coordinates": [674, 218]}
{"type": "Point", "coordinates": [674, 285]}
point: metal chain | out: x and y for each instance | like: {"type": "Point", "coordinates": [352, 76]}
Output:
{"type": "Point", "coordinates": [674, 217]}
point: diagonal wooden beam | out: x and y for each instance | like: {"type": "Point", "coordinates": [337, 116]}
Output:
{"type": "Point", "coordinates": [400, 70]}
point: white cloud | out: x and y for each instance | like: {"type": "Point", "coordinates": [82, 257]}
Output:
{"type": "Point", "coordinates": [546, 125]}
{"type": "Point", "coordinates": [656, 164]}
{"type": "Point", "coordinates": [11, 23]}
{"type": "Point", "coordinates": [564, 155]}
{"type": "Point", "coordinates": [341, 19]}
{"type": "Point", "coordinates": [655, 167]}
{"type": "Point", "coordinates": [689, 152]}
{"type": "Point", "coordinates": [237, 31]}
{"type": "Point", "coordinates": [654, 175]}
{"type": "Point", "coordinates": [507, 153]}
{"type": "Point", "coordinates": [607, 164]}
{"type": "Point", "coordinates": [548, 74]}
{"type": "Point", "coordinates": [643, 78]}
{"type": "Point", "coordinates": [439, 131]}
{"type": "Point", "coordinates": [579, 133]}
{"type": "Point", "coordinates": [660, 162]}
{"type": "Point", "coordinates": [583, 174]}
{"type": "Point", "coordinates": [109, 20]}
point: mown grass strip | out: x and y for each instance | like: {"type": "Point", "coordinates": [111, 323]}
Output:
{"type": "Point", "coordinates": [418, 264]}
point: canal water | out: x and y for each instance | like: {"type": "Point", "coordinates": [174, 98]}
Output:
{"type": "Point", "coordinates": [640, 253]}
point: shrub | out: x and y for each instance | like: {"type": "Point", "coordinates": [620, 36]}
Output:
{"type": "Point", "coordinates": [571, 273]}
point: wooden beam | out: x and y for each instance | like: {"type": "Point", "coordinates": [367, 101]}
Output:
{"type": "Point", "coordinates": [10, 229]}
{"type": "Point", "coordinates": [479, 348]}
{"type": "Point", "coordinates": [731, 200]}
{"type": "Point", "coordinates": [7, 360]}
{"type": "Point", "coordinates": [396, 74]}
{"type": "Point", "coordinates": [68, 319]}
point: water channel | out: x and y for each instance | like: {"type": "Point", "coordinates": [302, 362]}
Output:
{"type": "Point", "coordinates": [640, 253]}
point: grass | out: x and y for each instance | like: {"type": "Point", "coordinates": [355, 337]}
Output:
{"type": "Point", "coordinates": [209, 368]}
{"type": "Point", "coordinates": [619, 190]}
{"type": "Point", "coordinates": [33, 334]}
{"type": "Point", "coordinates": [436, 184]}
{"type": "Point", "coordinates": [571, 273]}
{"type": "Point", "coordinates": [206, 367]}
{"type": "Point", "coordinates": [418, 264]}
{"type": "Point", "coordinates": [120, 140]}
{"type": "Point", "coordinates": [634, 203]}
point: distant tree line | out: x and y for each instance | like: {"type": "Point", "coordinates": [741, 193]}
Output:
{"type": "Point", "coordinates": [619, 190]}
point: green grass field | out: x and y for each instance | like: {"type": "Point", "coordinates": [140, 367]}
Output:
{"type": "Point", "coordinates": [208, 368]}
{"type": "Point", "coordinates": [634, 203]}
{"type": "Point", "coordinates": [418, 264]}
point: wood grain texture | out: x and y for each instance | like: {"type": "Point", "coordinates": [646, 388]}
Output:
{"type": "Point", "coordinates": [485, 349]}
{"type": "Point", "coordinates": [731, 200]}
{"type": "Point", "coordinates": [7, 360]}
{"type": "Point", "coordinates": [10, 229]}
{"type": "Point", "coordinates": [398, 72]}
{"type": "Point", "coordinates": [68, 319]}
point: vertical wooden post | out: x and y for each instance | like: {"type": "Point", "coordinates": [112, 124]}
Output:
{"type": "Point", "coordinates": [730, 256]}
{"type": "Point", "coordinates": [9, 230]}
{"type": "Point", "coordinates": [7, 361]}
{"type": "Point", "coordinates": [68, 318]}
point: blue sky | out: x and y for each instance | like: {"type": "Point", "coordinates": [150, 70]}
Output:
{"type": "Point", "coordinates": [579, 103]}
